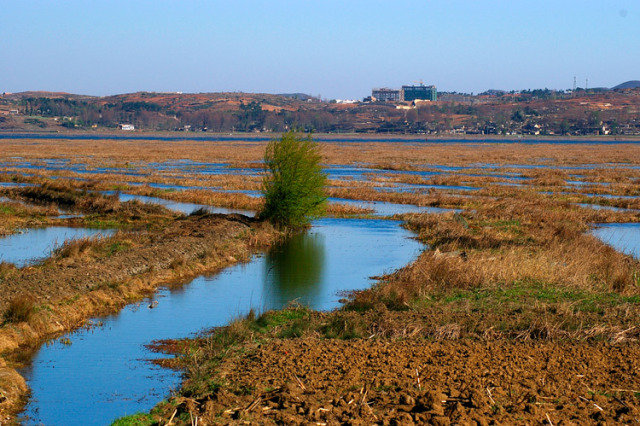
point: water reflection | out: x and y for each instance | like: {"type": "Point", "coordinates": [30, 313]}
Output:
{"type": "Point", "coordinates": [104, 369]}
{"type": "Point", "coordinates": [294, 269]}
{"type": "Point", "coordinates": [186, 208]}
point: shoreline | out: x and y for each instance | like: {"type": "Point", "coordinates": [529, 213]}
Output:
{"type": "Point", "coordinates": [231, 239]}
{"type": "Point", "coordinates": [320, 137]}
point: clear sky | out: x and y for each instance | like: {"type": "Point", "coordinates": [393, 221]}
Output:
{"type": "Point", "coordinates": [338, 49]}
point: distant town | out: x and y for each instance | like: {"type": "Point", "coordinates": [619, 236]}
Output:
{"type": "Point", "coordinates": [410, 109]}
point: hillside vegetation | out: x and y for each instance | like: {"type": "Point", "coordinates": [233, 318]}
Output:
{"type": "Point", "coordinates": [531, 112]}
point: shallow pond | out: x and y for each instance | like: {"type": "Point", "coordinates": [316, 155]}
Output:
{"type": "Point", "coordinates": [30, 245]}
{"type": "Point", "coordinates": [382, 208]}
{"type": "Point", "coordinates": [610, 208]}
{"type": "Point", "coordinates": [105, 370]}
{"type": "Point", "coordinates": [624, 237]}
{"type": "Point", "coordinates": [186, 208]}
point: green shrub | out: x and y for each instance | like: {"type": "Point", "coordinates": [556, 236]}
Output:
{"type": "Point", "coordinates": [293, 187]}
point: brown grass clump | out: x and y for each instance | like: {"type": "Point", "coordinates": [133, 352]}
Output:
{"type": "Point", "coordinates": [64, 194]}
{"type": "Point", "coordinates": [205, 197]}
{"type": "Point", "coordinates": [74, 248]}
{"type": "Point", "coordinates": [365, 192]}
{"type": "Point", "coordinates": [6, 269]}
{"type": "Point", "coordinates": [20, 309]}
{"type": "Point", "coordinates": [345, 210]}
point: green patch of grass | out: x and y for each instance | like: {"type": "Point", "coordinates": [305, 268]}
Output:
{"type": "Point", "coordinates": [214, 385]}
{"type": "Point", "coordinates": [116, 247]}
{"type": "Point", "coordinates": [103, 223]}
{"type": "Point", "coordinates": [120, 187]}
{"type": "Point", "coordinates": [202, 384]}
{"type": "Point", "coordinates": [160, 192]}
{"type": "Point", "coordinates": [272, 319]}
{"type": "Point", "coordinates": [344, 327]}
{"type": "Point", "coordinates": [140, 419]}
{"type": "Point", "coordinates": [522, 295]}
{"type": "Point", "coordinates": [296, 328]}
{"type": "Point", "coordinates": [9, 210]}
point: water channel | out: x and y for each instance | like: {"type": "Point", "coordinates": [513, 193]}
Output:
{"type": "Point", "coordinates": [624, 237]}
{"type": "Point", "coordinates": [106, 370]}
{"type": "Point", "coordinates": [30, 245]}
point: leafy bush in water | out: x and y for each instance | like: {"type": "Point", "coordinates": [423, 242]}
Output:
{"type": "Point", "coordinates": [293, 187]}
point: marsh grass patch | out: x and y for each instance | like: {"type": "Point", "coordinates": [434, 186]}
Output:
{"type": "Point", "coordinates": [20, 309]}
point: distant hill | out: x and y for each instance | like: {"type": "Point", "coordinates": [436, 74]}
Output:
{"type": "Point", "coordinates": [45, 94]}
{"type": "Point", "coordinates": [632, 84]}
{"type": "Point", "coordinates": [528, 112]}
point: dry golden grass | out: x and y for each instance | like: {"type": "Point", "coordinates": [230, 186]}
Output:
{"type": "Point", "coordinates": [507, 243]}
{"type": "Point", "coordinates": [388, 155]}
{"type": "Point", "coordinates": [20, 309]}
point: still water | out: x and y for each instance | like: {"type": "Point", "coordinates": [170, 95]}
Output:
{"type": "Point", "coordinates": [104, 372]}
{"type": "Point", "coordinates": [186, 208]}
{"type": "Point", "coordinates": [380, 208]}
{"type": "Point", "coordinates": [35, 243]}
{"type": "Point", "coordinates": [624, 237]}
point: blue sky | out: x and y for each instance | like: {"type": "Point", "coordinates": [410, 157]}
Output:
{"type": "Point", "coordinates": [338, 49]}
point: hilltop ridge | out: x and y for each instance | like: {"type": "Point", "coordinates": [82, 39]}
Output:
{"type": "Point", "coordinates": [531, 112]}
{"type": "Point", "coordinates": [631, 84]}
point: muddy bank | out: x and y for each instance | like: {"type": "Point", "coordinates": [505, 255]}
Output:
{"type": "Point", "coordinates": [94, 277]}
{"type": "Point", "coordinates": [416, 381]}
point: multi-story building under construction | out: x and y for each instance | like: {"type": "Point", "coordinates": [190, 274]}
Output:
{"type": "Point", "coordinates": [385, 94]}
{"type": "Point", "coordinates": [407, 93]}
{"type": "Point", "coordinates": [423, 93]}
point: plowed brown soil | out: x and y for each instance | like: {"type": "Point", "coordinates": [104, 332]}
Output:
{"type": "Point", "coordinates": [363, 382]}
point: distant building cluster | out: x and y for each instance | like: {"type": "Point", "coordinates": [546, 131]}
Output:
{"type": "Point", "coordinates": [406, 94]}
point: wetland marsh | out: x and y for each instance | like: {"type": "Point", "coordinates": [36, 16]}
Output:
{"type": "Point", "coordinates": [506, 261]}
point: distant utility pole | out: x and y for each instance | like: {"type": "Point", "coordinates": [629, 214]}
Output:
{"type": "Point", "coordinates": [586, 84]}
{"type": "Point", "coordinates": [574, 83]}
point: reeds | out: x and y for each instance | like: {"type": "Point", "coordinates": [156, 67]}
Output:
{"type": "Point", "coordinates": [20, 309]}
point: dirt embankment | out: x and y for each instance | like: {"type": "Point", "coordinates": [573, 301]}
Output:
{"type": "Point", "coordinates": [415, 381]}
{"type": "Point", "coordinates": [93, 277]}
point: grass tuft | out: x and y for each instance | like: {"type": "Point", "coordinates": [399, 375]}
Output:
{"type": "Point", "coordinates": [20, 309]}
{"type": "Point", "coordinates": [140, 419]}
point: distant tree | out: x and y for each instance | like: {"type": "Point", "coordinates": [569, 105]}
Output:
{"type": "Point", "coordinates": [251, 116]}
{"type": "Point", "coordinates": [293, 187]}
{"type": "Point", "coordinates": [517, 116]}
